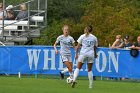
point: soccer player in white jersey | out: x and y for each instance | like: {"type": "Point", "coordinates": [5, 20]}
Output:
{"type": "Point", "coordinates": [66, 41]}
{"type": "Point", "coordinates": [88, 43]}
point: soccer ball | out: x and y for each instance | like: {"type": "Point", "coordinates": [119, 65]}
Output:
{"type": "Point", "coordinates": [69, 80]}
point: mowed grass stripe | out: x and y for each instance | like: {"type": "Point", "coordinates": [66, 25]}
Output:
{"type": "Point", "coordinates": [45, 85]}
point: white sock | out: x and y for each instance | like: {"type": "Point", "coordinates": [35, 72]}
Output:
{"type": "Point", "coordinates": [90, 77]}
{"type": "Point", "coordinates": [76, 72]}
{"type": "Point", "coordinates": [65, 70]}
{"type": "Point", "coordinates": [71, 75]}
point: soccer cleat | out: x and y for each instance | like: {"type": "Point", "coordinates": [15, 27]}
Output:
{"type": "Point", "coordinates": [90, 86]}
{"type": "Point", "coordinates": [73, 84]}
{"type": "Point", "coordinates": [61, 75]}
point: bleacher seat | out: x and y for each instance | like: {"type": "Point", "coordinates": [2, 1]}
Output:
{"type": "Point", "coordinates": [37, 18]}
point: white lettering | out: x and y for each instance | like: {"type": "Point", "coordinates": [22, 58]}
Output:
{"type": "Point", "coordinates": [33, 55]}
{"type": "Point", "coordinates": [47, 59]}
{"type": "Point", "coordinates": [104, 61]}
{"type": "Point", "coordinates": [114, 61]}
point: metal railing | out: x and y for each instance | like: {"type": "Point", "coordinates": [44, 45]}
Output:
{"type": "Point", "coordinates": [36, 12]}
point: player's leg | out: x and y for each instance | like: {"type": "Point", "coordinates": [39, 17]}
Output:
{"type": "Point", "coordinates": [90, 73]}
{"type": "Point", "coordinates": [65, 70]}
{"type": "Point", "coordinates": [71, 73]}
{"type": "Point", "coordinates": [62, 72]}
{"type": "Point", "coordinates": [76, 73]}
{"type": "Point", "coordinates": [69, 66]}
{"type": "Point", "coordinates": [69, 57]}
{"type": "Point", "coordinates": [64, 59]}
{"type": "Point", "coordinates": [67, 60]}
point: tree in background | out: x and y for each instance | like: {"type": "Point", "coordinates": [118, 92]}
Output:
{"type": "Point", "coordinates": [108, 17]}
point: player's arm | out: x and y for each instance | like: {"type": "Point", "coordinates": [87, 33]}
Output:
{"type": "Point", "coordinates": [55, 44]}
{"type": "Point", "coordinates": [74, 45]}
{"type": "Point", "coordinates": [73, 42]}
{"type": "Point", "coordinates": [78, 46]}
{"type": "Point", "coordinates": [76, 50]}
{"type": "Point", "coordinates": [56, 51]}
{"type": "Point", "coordinates": [95, 53]}
{"type": "Point", "coordinates": [95, 48]}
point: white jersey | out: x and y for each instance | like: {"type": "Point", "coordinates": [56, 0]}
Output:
{"type": "Point", "coordinates": [88, 43]}
{"type": "Point", "coordinates": [65, 44]}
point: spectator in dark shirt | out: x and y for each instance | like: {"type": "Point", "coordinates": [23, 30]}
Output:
{"type": "Point", "coordinates": [136, 45]}
{"type": "Point", "coordinates": [127, 42]}
{"type": "Point", "coordinates": [23, 14]}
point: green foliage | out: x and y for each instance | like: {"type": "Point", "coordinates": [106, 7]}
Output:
{"type": "Point", "coordinates": [61, 9]}
{"type": "Point", "coordinates": [108, 17]}
{"type": "Point", "coordinates": [49, 36]}
{"type": "Point", "coordinates": [14, 2]}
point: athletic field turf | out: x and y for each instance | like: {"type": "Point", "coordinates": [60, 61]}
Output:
{"type": "Point", "coordinates": [45, 85]}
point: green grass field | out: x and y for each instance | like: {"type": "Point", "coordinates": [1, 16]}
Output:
{"type": "Point", "coordinates": [47, 85]}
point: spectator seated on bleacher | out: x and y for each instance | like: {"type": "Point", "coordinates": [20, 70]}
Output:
{"type": "Point", "coordinates": [23, 14]}
{"type": "Point", "coordinates": [1, 11]}
{"type": "Point", "coordinates": [10, 13]}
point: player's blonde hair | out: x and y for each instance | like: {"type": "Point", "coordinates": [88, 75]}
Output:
{"type": "Point", "coordinates": [65, 26]}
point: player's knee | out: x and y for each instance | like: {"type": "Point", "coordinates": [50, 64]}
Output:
{"type": "Point", "coordinates": [89, 70]}
{"type": "Point", "coordinates": [79, 67]}
{"type": "Point", "coordinates": [70, 68]}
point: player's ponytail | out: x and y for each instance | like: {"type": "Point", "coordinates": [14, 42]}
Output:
{"type": "Point", "coordinates": [88, 30]}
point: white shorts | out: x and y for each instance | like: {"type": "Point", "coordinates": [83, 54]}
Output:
{"type": "Point", "coordinates": [88, 57]}
{"type": "Point", "coordinates": [65, 58]}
